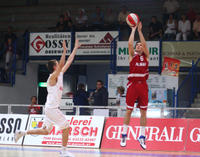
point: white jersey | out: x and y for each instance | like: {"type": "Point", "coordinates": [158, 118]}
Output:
{"type": "Point", "coordinates": [121, 99]}
{"type": "Point", "coordinates": [54, 92]}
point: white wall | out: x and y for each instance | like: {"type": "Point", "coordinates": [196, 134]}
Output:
{"type": "Point", "coordinates": [24, 88]}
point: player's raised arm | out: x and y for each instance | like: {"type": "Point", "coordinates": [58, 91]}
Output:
{"type": "Point", "coordinates": [61, 63]}
{"type": "Point", "coordinates": [130, 43]}
{"type": "Point", "coordinates": [142, 40]}
{"type": "Point", "coordinates": [71, 57]}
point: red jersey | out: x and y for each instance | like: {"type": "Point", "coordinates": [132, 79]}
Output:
{"type": "Point", "coordinates": [139, 68]}
{"type": "Point", "coordinates": [34, 109]}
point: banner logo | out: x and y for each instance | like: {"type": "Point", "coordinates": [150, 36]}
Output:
{"type": "Point", "coordinates": [107, 38]}
{"type": "Point", "coordinates": [9, 124]}
{"type": "Point", "coordinates": [38, 44]}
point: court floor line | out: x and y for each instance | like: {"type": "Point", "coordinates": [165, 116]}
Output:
{"type": "Point", "coordinates": [97, 152]}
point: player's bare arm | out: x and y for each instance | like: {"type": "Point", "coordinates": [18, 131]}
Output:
{"type": "Point", "coordinates": [130, 43]}
{"type": "Point", "coordinates": [142, 40]}
{"type": "Point", "coordinates": [71, 57]}
{"type": "Point", "coordinates": [53, 78]}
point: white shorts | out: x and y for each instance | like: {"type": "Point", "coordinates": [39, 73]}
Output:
{"type": "Point", "coordinates": [54, 116]}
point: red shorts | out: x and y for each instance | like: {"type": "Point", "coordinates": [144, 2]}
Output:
{"type": "Point", "coordinates": [137, 90]}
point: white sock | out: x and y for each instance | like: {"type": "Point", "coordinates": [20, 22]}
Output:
{"type": "Point", "coordinates": [125, 128]}
{"type": "Point", "coordinates": [63, 148]}
{"type": "Point", "coordinates": [142, 131]}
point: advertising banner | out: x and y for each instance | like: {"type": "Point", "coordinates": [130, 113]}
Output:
{"type": "Point", "coordinates": [123, 55]}
{"type": "Point", "coordinates": [171, 66]}
{"type": "Point", "coordinates": [193, 137]}
{"type": "Point", "coordinates": [49, 44]}
{"type": "Point", "coordinates": [95, 43]}
{"type": "Point", "coordinates": [162, 134]}
{"type": "Point", "coordinates": [185, 51]}
{"type": "Point", "coordinates": [9, 123]}
{"type": "Point", "coordinates": [85, 132]}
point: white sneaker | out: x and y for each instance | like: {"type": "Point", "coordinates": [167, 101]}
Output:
{"type": "Point", "coordinates": [65, 153]}
{"type": "Point", "coordinates": [123, 140]}
{"type": "Point", "coordinates": [142, 140]}
{"type": "Point", "coordinates": [18, 135]}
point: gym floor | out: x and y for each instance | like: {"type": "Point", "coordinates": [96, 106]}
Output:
{"type": "Point", "coordinates": [26, 151]}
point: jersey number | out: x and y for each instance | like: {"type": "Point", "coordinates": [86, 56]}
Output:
{"type": "Point", "coordinates": [141, 58]}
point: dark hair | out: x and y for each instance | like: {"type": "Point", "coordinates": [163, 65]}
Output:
{"type": "Point", "coordinates": [137, 43]}
{"type": "Point", "coordinates": [100, 81]}
{"type": "Point", "coordinates": [81, 86]}
{"type": "Point", "coordinates": [121, 89]}
{"type": "Point", "coordinates": [34, 97]}
{"type": "Point", "coordinates": [50, 65]}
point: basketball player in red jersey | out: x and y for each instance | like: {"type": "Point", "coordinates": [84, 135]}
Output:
{"type": "Point", "coordinates": [137, 88]}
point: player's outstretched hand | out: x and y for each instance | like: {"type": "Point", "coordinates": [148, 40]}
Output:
{"type": "Point", "coordinates": [77, 44]}
{"type": "Point", "coordinates": [140, 26]}
{"type": "Point", "coordinates": [64, 45]}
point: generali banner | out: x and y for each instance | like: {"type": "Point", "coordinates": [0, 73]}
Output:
{"type": "Point", "coordinates": [162, 134]}
{"type": "Point", "coordinates": [85, 132]}
{"type": "Point", "coordinates": [193, 137]}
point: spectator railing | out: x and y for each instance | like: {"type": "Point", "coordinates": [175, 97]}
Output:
{"type": "Point", "coordinates": [114, 111]}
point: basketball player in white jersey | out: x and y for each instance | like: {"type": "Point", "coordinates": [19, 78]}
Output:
{"type": "Point", "coordinates": [52, 111]}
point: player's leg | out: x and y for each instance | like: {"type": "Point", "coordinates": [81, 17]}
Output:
{"type": "Point", "coordinates": [37, 132]}
{"type": "Point", "coordinates": [143, 121]}
{"type": "Point", "coordinates": [143, 104]}
{"type": "Point", "coordinates": [65, 135]}
{"type": "Point", "coordinates": [131, 97]}
{"type": "Point", "coordinates": [142, 135]}
{"type": "Point", "coordinates": [127, 120]}
{"type": "Point", "coordinates": [46, 128]}
{"type": "Point", "coordinates": [59, 119]}
{"type": "Point", "coordinates": [19, 134]}
{"type": "Point", "coordinates": [125, 127]}
{"type": "Point", "coordinates": [127, 116]}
